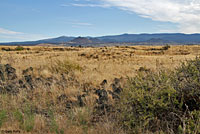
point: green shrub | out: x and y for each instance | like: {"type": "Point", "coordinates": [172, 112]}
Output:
{"type": "Point", "coordinates": [147, 104]}
{"type": "Point", "coordinates": [162, 101]}
{"type": "Point", "coordinates": [19, 48]}
{"type": "Point", "coordinates": [187, 83]}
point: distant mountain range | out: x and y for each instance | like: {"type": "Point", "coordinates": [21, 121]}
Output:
{"type": "Point", "coordinates": [146, 39]}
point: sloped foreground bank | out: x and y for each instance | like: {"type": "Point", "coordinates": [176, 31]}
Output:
{"type": "Point", "coordinates": [150, 102]}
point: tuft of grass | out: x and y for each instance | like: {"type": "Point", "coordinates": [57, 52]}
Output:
{"type": "Point", "coordinates": [3, 117]}
{"type": "Point", "coordinates": [18, 116]}
{"type": "Point", "coordinates": [65, 66]}
{"type": "Point", "coordinates": [28, 118]}
{"type": "Point", "coordinates": [81, 116]}
{"type": "Point", "coordinates": [53, 125]}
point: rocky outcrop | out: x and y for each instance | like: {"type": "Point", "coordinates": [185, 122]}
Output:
{"type": "Point", "coordinates": [10, 83]}
{"type": "Point", "coordinates": [8, 79]}
{"type": "Point", "coordinates": [7, 73]}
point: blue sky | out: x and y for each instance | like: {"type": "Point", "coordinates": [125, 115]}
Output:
{"type": "Point", "coordinates": [23, 20]}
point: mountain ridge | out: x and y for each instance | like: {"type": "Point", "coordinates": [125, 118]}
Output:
{"type": "Point", "coordinates": [160, 38]}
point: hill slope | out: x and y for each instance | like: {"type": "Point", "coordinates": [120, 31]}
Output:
{"type": "Point", "coordinates": [57, 40]}
{"type": "Point", "coordinates": [175, 38]}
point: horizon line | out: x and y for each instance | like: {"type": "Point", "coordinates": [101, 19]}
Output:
{"type": "Point", "coordinates": [97, 36]}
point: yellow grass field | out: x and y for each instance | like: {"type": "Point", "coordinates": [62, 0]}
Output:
{"type": "Point", "coordinates": [101, 63]}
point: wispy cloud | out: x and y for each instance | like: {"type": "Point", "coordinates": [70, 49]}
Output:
{"type": "Point", "coordinates": [185, 13]}
{"type": "Point", "coordinates": [81, 24]}
{"type": "Point", "coordinates": [91, 5]}
{"type": "Point", "coordinates": [8, 32]}
{"type": "Point", "coordinates": [86, 5]}
{"type": "Point", "coordinates": [10, 35]}
{"type": "Point", "coordinates": [76, 23]}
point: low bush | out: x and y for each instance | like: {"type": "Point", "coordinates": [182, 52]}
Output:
{"type": "Point", "coordinates": [19, 48]}
{"type": "Point", "coordinates": [6, 49]}
{"type": "Point", "coordinates": [163, 102]}
{"type": "Point", "coordinates": [166, 47]}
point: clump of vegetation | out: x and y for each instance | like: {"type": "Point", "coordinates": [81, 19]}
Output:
{"type": "Point", "coordinates": [166, 47]}
{"type": "Point", "coordinates": [163, 102]}
{"type": "Point", "coordinates": [81, 116]}
{"type": "Point", "coordinates": [6, 49]}
{"type": "Point", "coordinates": [19, 117]}
{"type": "Point", "coordinates": [143, 69]}
{"type": "Point", "coordinates": [53, 125]}
{"type": "Point", "coordinates": [26, 119]}
{"type": "Point", "coordinates": [65, 66]}
{"type": "Point", "coordinates": [3, 116]}
{"type": "Point", "coordinates": [19, 48]}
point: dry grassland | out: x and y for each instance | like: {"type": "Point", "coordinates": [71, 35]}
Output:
{"type": "Point", "coordinates": [30, 111]}
{"type": "Point", "coordinates": [101, 63]}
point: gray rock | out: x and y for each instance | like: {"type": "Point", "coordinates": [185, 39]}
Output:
{"type": "Point", "coordinates": [10, 72]}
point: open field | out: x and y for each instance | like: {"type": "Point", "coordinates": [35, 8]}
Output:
{"type": "Point", "coordinates": [76, 90]}
{"type": "Point", "coordinates": [101, 63]}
